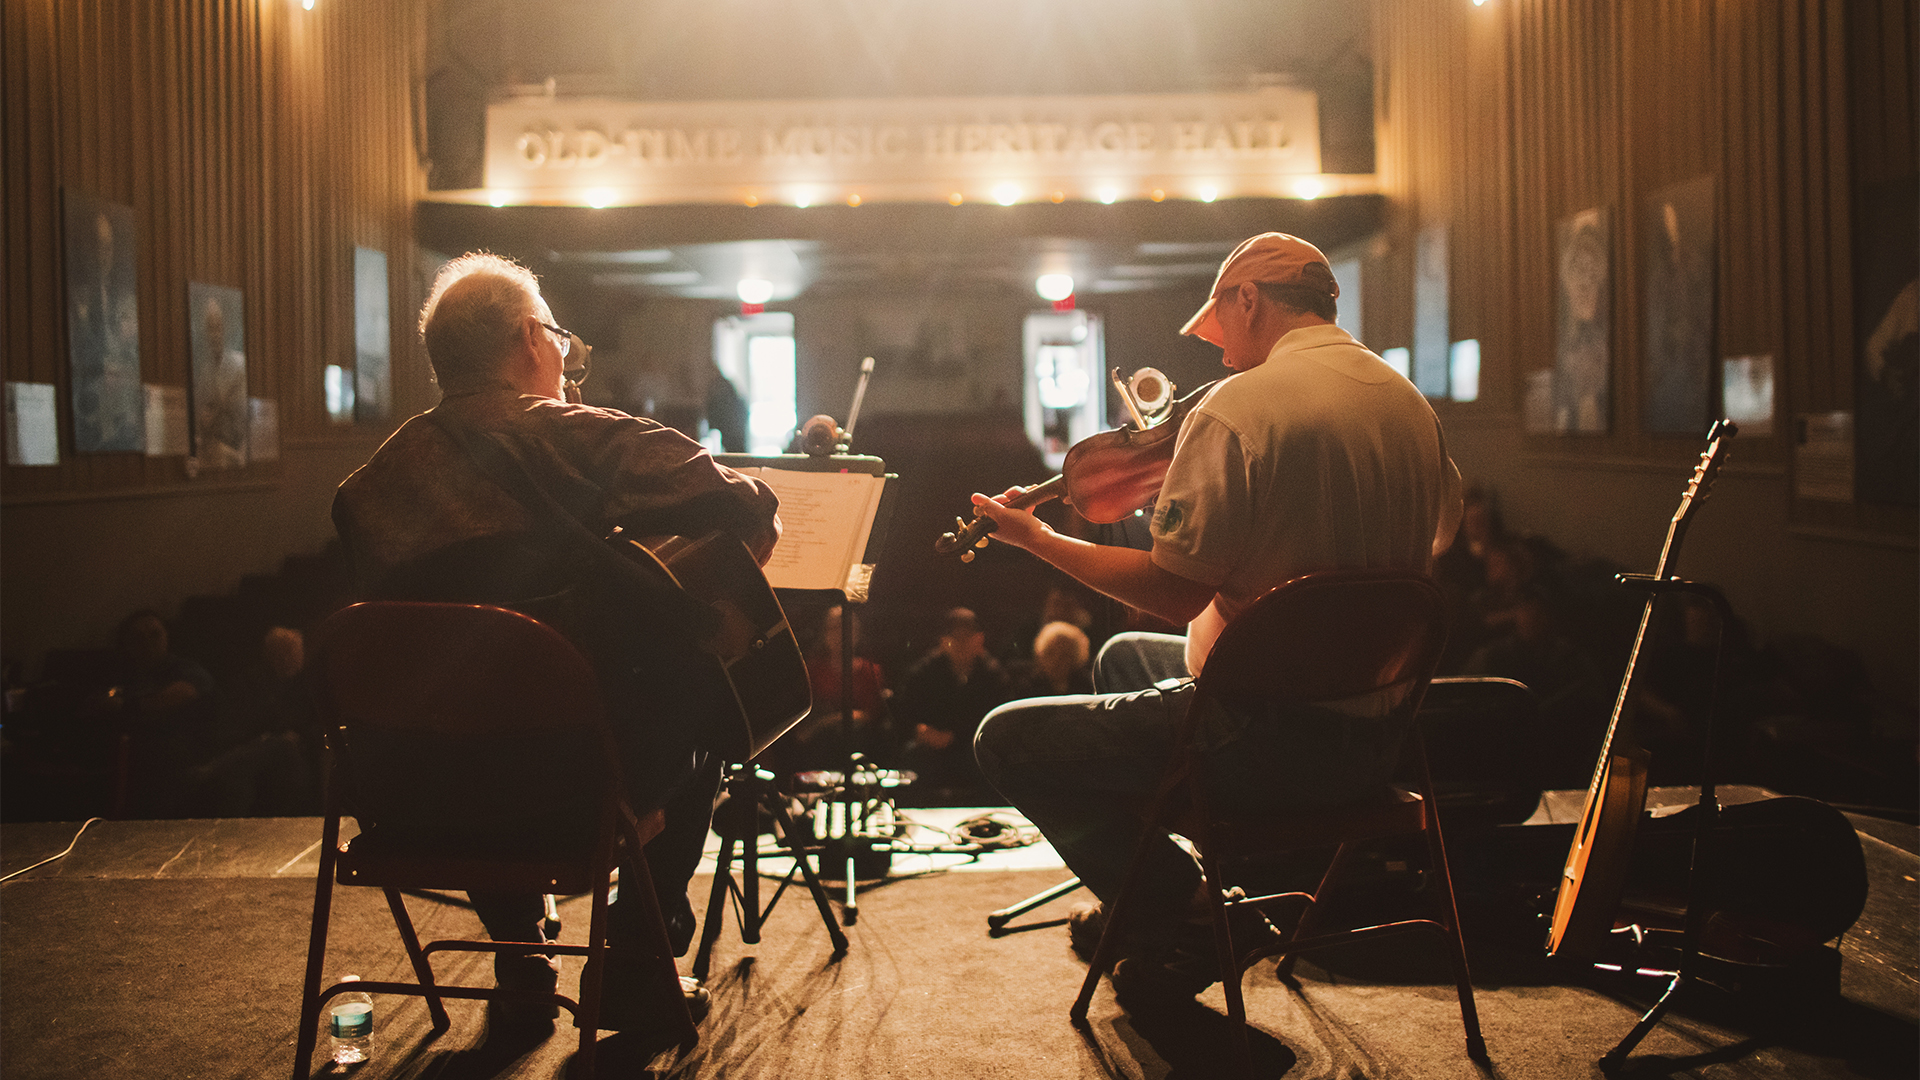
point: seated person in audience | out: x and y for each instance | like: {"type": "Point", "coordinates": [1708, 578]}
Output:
{"type": "Point", "coordinates": [824, 740]}
{"type": "Point", "coordinates": [274, 717]}
{"type": "Point", "coordinates": [1059, 664]}
{"type": "Point", "coordinates": [942, 700]}
{"type": "Point", "coordinates": [425, 519]}
{"type": "Point", "coordinates": [166, 703]}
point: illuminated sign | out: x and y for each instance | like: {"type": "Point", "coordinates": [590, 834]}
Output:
{"type": "Point", "coordinates": [601, 152]}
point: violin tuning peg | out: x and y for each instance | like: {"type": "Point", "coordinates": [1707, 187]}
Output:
{"type": "Point", "coordinates": [980, 543]}
{"type": "Point", "coordinates": [966, 556]}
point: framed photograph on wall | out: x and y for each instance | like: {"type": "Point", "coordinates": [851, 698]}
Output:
{"type": "Point", "coordinates": [217, 327]}
{"type": "Point", "coordinates": [1583, 321]}
{"type": "Point", "coordinates": [103, 325]}
{"type": "Point", "coordinates": [1677, 276]}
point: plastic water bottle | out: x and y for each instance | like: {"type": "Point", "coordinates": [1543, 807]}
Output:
{"type": "Point", "coordinates": [350, 1022]}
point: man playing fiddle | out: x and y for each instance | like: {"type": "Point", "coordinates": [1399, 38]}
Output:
{"type": "Point", "coordinates": [1313, 455]}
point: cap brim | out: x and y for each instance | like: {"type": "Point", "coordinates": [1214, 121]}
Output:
{"type": "Point", "coordinates": [1203, 325]}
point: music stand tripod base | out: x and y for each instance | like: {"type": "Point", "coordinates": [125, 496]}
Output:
{"type": "Point", "coordinates": [753, 790]}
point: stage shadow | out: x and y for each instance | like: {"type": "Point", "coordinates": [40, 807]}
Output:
{"type": "Point", "coordinates": [1194, 1042]}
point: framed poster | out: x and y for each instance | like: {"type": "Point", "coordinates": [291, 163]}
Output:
{"type": "Point", "coordinates": [1886, 299]}
{"type": "Point", "coordinates": [1583, 355]}
{"type": "Point", "coordinates": [1677, 249]}
{"type": "Point", "coordinates": [372, 337]}
{"type": "Point", "coordinates": [103, 325]}
{"type": "Point", "coordinates": [217, 325]}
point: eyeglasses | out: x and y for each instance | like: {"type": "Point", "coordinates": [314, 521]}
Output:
{"type": "Point", "coordinates": [573, 348]}
{"type": "Point", "coordinates": [566, 337]}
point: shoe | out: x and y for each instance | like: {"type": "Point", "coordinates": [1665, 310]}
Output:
{"type": "Point", "coordinates": [1085, 924]}
{"type": "Point", "coordinates": [628, 1004]}
{"type": "Point", "coordinates": [536, 974]}
{"type": "Point", "coordinates": [1158, 979]}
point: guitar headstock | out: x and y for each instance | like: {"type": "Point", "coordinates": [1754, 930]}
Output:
{"type": "Point", "coordinates": [1701, 483]}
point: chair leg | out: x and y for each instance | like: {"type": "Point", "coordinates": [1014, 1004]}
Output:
{"type": "Point", "coordinates": [1228, 956]}
{"type": "Point", "coordinates": [316, 957]}
{"type": "Point", "coordinates": [1456, 942]}
{"type": "Point", "coordinates": [1311, 913]}
{"type": "Point", "coordinates": [422, 970]}
{"type": "Point", "coordinates": [592, 984]}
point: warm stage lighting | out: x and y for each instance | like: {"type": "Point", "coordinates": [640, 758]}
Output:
{"type": "Point", "coordinates": [754, 290]}
{"type": "Point", "coordinates": [1054, 287]}
{"type": "Point", "coordinates": [1209, 193]}
{"type": "Point", "coordinates": [1158, 194]}
{"type": "Point", "coordinates": [497, 198]}
{"type": "Point", "coordinates": [1309, 187]}
{"type": "Point", "coordinates": [853, 199]}
{"type": "Point", "coordinates": [600, 198]}
{"type": "Point", "coordinates": [1006, 194]}
{"type": "Point", "coordinates": [1107, 195]}
{"type": "Point", "coordinates": [803, 198]}
{"type": "Point", "coordinates": [956, 199]}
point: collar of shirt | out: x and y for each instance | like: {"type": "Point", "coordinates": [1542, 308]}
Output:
{"type": "Point", "coordinates": [1332, 347]}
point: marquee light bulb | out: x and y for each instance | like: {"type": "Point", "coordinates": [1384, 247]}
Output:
{"type": "Point", "coordinates": [1054, 287]}
{"type": "Point", "coordinates": [754, 290]}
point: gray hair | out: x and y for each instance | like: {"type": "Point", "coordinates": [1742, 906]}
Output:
{"type": "Point", "coordinates": [471, 319]}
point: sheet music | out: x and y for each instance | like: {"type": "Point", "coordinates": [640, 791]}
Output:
{"type": "Point", "coordinates": [825, 518]}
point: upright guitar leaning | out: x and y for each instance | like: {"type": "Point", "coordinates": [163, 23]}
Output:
{"type": "Point", "coordinates": [1595, 874]}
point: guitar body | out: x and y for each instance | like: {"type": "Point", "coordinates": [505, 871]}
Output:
{"type": "Point", "coordinates": [755, 646]}
{"type": "Point", "coordinates": [1596, 870]}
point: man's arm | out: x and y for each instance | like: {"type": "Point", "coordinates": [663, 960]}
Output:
{"type": "Point", "coordinates": [1126, 574]}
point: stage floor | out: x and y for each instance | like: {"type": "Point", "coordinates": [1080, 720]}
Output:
{"type": "Point", "coordinates": [175, 949]}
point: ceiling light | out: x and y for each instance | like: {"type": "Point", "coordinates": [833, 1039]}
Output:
{"type": "Point", "coordinates": [1054, 287]}
{"type": "Point", "coordinates": [754, 290]}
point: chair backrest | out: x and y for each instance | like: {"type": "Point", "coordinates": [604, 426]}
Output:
{"type": "Point", "coordinates": [451, 669]}
{"type": "Point", "coordinates": [1329, 636]}
{"type": "Point", "coordinates": [459, 723]}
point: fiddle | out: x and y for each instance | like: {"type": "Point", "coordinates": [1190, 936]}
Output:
{"type": "Point", "coordinates": [1108, 475]}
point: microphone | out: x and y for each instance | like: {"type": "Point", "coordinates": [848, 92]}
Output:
{"type": "Point", "coordinates": [819, 436]}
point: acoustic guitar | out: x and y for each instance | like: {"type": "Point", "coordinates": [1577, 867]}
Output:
{"type": "Point", "coordinates": [754, 645]}
{"type": "Point", "coordinates": [1596, 869]}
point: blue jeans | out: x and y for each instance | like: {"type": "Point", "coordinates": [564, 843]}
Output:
{"type": "Point", "coordinates": [1083, 767]}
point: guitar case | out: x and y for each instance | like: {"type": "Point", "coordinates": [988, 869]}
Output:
{"type": "Point", "coordinates": [1785, 875]}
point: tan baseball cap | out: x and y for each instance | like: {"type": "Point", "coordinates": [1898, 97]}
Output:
{"type": "Point", "coordinates": [1270, 258]}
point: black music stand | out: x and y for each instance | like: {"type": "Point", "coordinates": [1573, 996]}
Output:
{"type": "Point", "coordinates": [851, 570]}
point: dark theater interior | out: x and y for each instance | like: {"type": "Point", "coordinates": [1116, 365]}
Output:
{"type": "Point", "coordinates": [1631, 749]}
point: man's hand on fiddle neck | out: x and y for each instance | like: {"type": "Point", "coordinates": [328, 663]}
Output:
{"type": "Point", "coordinates": [1126, 574]}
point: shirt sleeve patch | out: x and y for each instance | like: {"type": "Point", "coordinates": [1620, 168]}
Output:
{"type": "Point", "coordinates": [1168, 517]}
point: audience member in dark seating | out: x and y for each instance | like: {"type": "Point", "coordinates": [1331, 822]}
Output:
{"type": "Point", "coordinates": [941, 702]}
{"type": "Point", "coordinates": [273, 712]}
{"type": "Point", "coordinates": [1059, 664]}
